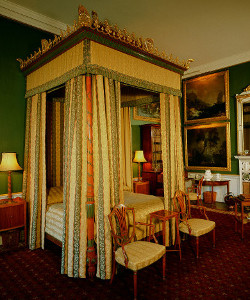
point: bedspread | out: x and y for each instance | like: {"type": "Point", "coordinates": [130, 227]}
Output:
{"type": "Point", "coordinates": [143, 205]}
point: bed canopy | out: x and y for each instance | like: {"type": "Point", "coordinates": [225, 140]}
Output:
{"type": "Point", "coordinates": [92, 59]}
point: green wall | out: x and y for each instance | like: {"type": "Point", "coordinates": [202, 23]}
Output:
{"type": "Point", "coordinates": [239, 78]}
{"type": "Point", "coordinates": [17, 41]}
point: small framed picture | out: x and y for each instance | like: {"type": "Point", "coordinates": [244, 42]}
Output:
{"type": "Point", "coordinates": [148, 112]}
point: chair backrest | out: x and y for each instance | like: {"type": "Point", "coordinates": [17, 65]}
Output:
{"type": "Point", "coordinates": [182, 205]}
{"type": "Point", "coordinates": [200, 185]}
{"type": "Point", "coordinates": [120, 220]}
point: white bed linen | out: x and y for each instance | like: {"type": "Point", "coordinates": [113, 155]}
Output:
{"type": "Point", "coordinates": [54, 221]}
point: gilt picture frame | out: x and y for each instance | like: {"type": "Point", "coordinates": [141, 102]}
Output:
{"type": "Point", "coordinates": [208, 146]}
{"type": "Point", "coordinates": [147, 112]}
{"type": "Point", "coordinates": [206, 98]}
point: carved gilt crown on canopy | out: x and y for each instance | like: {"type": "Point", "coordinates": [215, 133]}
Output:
{"type": "Point", "coordinates": [85, 20]}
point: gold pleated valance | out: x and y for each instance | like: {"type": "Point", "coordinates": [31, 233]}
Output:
{"type": "Point", "coordinates": [131, 66]}
{"type": "Point", "coordinates": [57, 67]}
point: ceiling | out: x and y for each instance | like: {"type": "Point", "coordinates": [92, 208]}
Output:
{"type": "Point", "coordinates": [214, 33]}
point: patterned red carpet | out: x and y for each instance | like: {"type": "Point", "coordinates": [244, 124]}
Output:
{"type": "Point", "coordinates": [220, 273]}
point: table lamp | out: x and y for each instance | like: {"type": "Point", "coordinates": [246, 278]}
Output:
{"type": "Point", "coordinates": [139, 158]}
{"type": "Point", "coordinates": [8, 164]}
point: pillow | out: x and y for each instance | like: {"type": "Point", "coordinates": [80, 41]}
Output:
{"type": "Point", "coordinates": [55, 195]}
{"type": "Point", "coordinates": [126, 188]}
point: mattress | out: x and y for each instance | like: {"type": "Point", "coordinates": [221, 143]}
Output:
{"type": "Point", "coordinates": [54, 221]}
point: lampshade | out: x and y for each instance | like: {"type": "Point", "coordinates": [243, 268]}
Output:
{"type": "Point", "coordinates": [9, 162]}
{"type": "Point", "coordinates": [139, 157]}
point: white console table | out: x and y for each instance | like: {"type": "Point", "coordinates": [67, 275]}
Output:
{"type": "Point", "coordinates": [244, 170]}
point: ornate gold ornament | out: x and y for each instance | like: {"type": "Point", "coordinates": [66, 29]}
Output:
{"type": "Point", "coordinates": [85, 20]}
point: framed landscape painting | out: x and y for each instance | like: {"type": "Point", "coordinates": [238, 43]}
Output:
{"type": "Point", "coordinates": [208, 147]}
{"type": "Point", "coordinates": [206, 98]}
{"type": "Point", "coordinates": [148, 112]}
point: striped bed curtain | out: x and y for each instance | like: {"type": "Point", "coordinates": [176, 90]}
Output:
{"type": "Point", "coordinates": [126, 137]}
{"type": "Point", "coordinates": [54, 141]}
{"type": "Point", "coordinates": [172, 153]}
{"type": "Point", "coordinates": [34, 175]}
{"type": "Point", "coordinates": [106, 181]}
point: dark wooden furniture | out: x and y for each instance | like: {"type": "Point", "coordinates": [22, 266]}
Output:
{"type": "Point", "coordinates": [213, 183]}
{"type": "Point", "coordinates": [192, 226]}
{"type": "Point", "coordinates": [151, 144]}
{"type": "Point", "coordinates": [152, 169]}
{"type": "Point", "coordinates": [156, 182]}
{"type": "Point", "coordinates": [12, 216]}
{"type": "Point", "coordinates": [142, 187]}
{"type": "Point", "coordinates": [134, 255]}
{"type": "Point", "coordinates": [242, 201]}
{"type": "Point", "coordinates": [164, 216]}
{"type": "Point", "coordinates": [53, 239]}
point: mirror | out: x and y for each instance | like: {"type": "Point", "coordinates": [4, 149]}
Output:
{"type": "Point", "coordinates": [243, 122]}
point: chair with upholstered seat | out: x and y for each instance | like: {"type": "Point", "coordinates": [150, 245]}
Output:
{"type": "Point", "coordinates": [192, 226]}
{"type": "Point", "coordinates": [194, 192]}
{"type": "Point", "coordinates": [128, 252]}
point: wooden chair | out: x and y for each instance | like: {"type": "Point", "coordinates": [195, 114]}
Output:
{"type": "Point", "coordinates": [128, 252]}
{"type": "Point", "coordinates": [194, 192]}
{"type": "Point", "coordinates": [192, 226]}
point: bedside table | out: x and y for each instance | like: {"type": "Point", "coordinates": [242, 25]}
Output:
{"type": "Point", "coordinates": [12, 216]}
{"type": "Point", "coordinates": [142, 187]}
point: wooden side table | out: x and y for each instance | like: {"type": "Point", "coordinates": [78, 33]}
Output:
{"type": "Point", "coordinates": [240, 219]}
{"type": "Point", "coordinates": [213, 183]}
{"type": "Point", "coordinates": [13, 216]}
{"type": "Point", "coordinates": [165, 215]}
{"type": "Point", "coordinates": [142, 187]}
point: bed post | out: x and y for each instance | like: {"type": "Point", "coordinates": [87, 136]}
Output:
{"type": "Point", "coordinates": [91, 253]}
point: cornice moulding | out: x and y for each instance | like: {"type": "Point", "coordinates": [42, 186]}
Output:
{"type": "Point", "coordinates": [218, 64]}
{"type": "Point", "coordinates": [29, 17]}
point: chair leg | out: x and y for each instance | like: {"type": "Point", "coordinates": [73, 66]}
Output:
{"type": "Point", "coordinates": [197, 247]}
{"type": "Point", "coordinates": [135, 285]}
{"type": "Point", "coordinates": [164, 266]}
{"type": "Point", "coordinates": [214, 237]}
{"type": "Point", "coordinates": [113, 271]}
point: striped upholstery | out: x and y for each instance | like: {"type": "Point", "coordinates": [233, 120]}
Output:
{"type": "Point", "coordinates": [140, 254]}
{"type": "Point", "coordinates": [198, 226]}
{"type": "Point", "coordinates": [192, 196]}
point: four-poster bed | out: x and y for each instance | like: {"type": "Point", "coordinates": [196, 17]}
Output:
{"type": "Point", "coordinates": [92, 60]}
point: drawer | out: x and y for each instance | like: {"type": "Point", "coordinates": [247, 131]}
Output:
{"type": "Point", "coordinates": [11, 216]}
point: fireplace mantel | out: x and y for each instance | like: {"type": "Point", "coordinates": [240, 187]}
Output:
{"type": "Point", "coordinates": [244, 171]}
